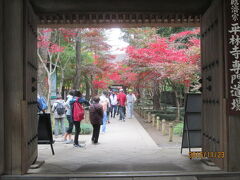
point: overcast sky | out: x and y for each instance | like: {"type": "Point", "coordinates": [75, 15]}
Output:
{"type": "Point", "coordinates": [114, 39]}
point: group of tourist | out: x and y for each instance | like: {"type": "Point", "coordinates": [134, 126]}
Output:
{"type": "Point", "coordinates": [101, 108]}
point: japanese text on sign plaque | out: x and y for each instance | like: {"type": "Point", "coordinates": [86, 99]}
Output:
{"type": "Point", "coordinates": [234, 42]}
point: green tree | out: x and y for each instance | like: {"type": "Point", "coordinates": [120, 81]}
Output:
{"type": "Point", "coordinates": [168, 31]}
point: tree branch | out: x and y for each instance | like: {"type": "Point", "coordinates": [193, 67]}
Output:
{"type": "Point", "coordinates": [41, 60]}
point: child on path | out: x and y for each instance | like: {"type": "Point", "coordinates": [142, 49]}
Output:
{"type": "Point", "coordinates": [96, 117]}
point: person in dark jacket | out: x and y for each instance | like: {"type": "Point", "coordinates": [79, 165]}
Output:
{"type": "Point", "coordinates": [96, 117]}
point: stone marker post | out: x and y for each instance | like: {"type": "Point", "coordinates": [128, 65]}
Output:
{"type": "Point", "coordinates": [158, 123]}
{"type": "Point", "coordinates": [170, 132]}
{"type": "Point", "coordinates": [145, 114]}
{"type": "Point", "coordinates": [163, 127]}
{"type": "Point", "coordinates": [153, 119]}
{"type": "Point", "coordinates": [149, 117]}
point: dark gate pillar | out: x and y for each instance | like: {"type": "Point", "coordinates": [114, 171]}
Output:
{"type": "Point", "coordinates": [232, 56]}
{"type": "Point", "coordinates": [13, 83]}
{"type": "Point", "coordinates": [1, 92]}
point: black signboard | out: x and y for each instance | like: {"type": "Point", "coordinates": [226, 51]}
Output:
{"type": "Point", "coordinates": [192, 135]}
{"type": "Point", "coordinates": [45, 130]}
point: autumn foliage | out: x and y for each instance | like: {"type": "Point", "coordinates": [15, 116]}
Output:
{"type": "Point", "coordinates": [168, 58]}
{"type": "Point", "coordinates": [176, 58]}
{"type": "Point", "coordinates": [150, 58]}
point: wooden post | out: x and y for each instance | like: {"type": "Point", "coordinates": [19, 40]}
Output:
{"type": "Point", "coordinates": [140, 113]}
{"type": "Point", "coordinates": [145, 114]}
{"type": "Point", "coordinates": [158, 123]}
{"type": "Point", "coordinates": [149, 117]}
{"type": "Point", "coordinates": [170, 132]}
{"type": "Point", "coordinates": [163, 127]}
{"type": "Point", "coordinates": [153, 119]}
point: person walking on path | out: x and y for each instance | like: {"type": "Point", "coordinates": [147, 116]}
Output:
{"type": "Point", "coordinates": [68, 134]}
{"type": "Point", "coordinates": [122, 103]}
{"type": "Point", "coordinates": [96, 118]}
{"type": "Point", "coordinates": [131, 98]}
{"type": "Point", "coordinates": [77, 114]}
{"type": "Point", "coordinates": [113, 102]}
{"type": "Point", "coordinates": [117, 93]}
{"type": "Point", "coordinates": [58, 109]}
{"type": "Point", "coordinates": [104, 101]}
{"type": "Point", "coordinates": [109, 108]}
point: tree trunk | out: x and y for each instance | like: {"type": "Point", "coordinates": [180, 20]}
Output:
{"type": "Point", "coordinates": [41, 81]}
{"type": "Point", "coordinates": [42, 74]}
{"type": "Point", "coordinates": [91, 85]}
{"type": "Point", "coordinates": [61, 81]}
{"type": "Point", "coordinates": [49, 92]}
{"type": "Point", "coordinates": [77, 77]}
{"type": "Point", "coordinates": [177, 105]}
{"type": "Point", "coordinates": [156, 95]}
{"type": "Point", "coordinates": [64, 93]}
{"type": "Point", "coordinates": [95, 92]}
{"type": "Point", "coordinates": [138, 95]}
{"type": "Point", "coordinates": [87, 88]}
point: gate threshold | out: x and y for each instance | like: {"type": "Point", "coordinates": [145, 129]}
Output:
{"type": "Point", "coordinates": [122, 175]}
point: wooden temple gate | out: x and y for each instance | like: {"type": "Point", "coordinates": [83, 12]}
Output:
{"type": "Point", "coordinates": [213, 95]}
{"type": "Point", "coordinates": [19, 122]}
{"type": "Point", "coordinates": [29, 103]}
{"type": "Point", "coordinates": [18, 24]}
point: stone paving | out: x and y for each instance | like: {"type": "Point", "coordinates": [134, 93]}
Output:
{"type": "Point", "coordinates": [126, 146]}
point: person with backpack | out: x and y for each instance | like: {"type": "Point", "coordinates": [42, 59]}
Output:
{"type": "Point", "coordinates": [68, 134]}
{"type": "Point", "coordinates": [58, 109]}
{"type": "Point", "coordinates": [41, 104]}
{"type": "Point", "coordinates": [96, 117]}
{"type": "Point", "coordinates": [77, 114]}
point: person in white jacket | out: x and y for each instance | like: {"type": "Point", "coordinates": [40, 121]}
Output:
{"type": "Point", "coordinates": [131, 98]}
{"type": "Point", "coordinates": [104, 101]}
{"type": "Point", "coordinates": [113, 103]}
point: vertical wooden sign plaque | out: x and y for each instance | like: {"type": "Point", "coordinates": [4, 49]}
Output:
{"type": "Point", "coordinates": [233, 55]}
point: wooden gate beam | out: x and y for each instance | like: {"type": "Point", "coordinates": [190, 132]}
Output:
{"type": "Point", "coordinates": [117, 19]}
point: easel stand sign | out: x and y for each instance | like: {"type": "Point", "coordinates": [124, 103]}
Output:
{"type": "Point", "coordinates": [45, 130]}
{"type": "Point", "coordinates": [192, 136]}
